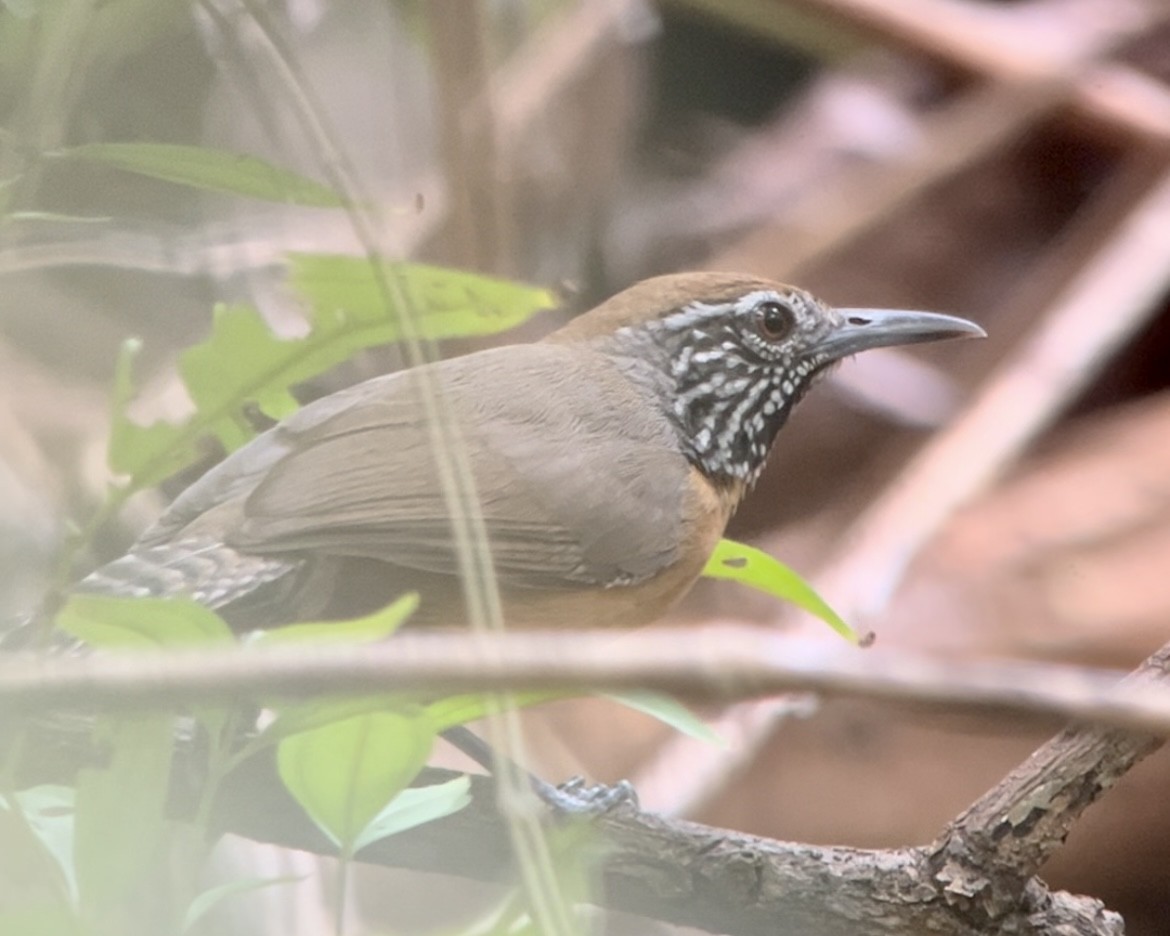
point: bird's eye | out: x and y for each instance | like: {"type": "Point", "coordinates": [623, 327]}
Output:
{"type": "Point", "coordinates": [774, 319]}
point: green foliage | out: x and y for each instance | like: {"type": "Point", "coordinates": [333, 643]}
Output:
{"type": "Point", "coordinates": [349, 304]}
{"type": "Point", "coordinates": [39, 920]}
{"type": "Point", "coordinates": [459, 710]}
{"type": "Point", "coordinates": [345, 773]}
{"type": "Point", "coordinates": [415, 807]}
{"type": "Point", "coordinates": [244, 362]}
{"type": "Point", "coordinates": [214, 896]}
{"type": "Point", "coordinates": [94, 851]}
{"type": "Point", "coordinates": [207, 169]}
{"type": "Point", "coordinates": [38, 839]}
{"type": "Point", "coordinates": [758, 570]}
{"type": "Point", "coordinates": [127, 623]}
{"type": "Point", "coordinates": [377, 626]}
{"type": "Point", "coordinates": [670, 712]}
{"type": "Point", "coordinates": [119, 827]}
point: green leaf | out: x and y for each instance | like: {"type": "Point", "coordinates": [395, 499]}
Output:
{"type": "Point", "coordinates": [670, 712]}
{"type": "Point", "coordinates": [306, 716]}
{"type": "Point", "coordinates": [48, 811]}
{"type": "Point", "coordinates": [208, 169]}
{"type": "Point", "coordinates": [755, 568]}
{"type": "Point", "coordinates": [120, 816]}
{"type": "Point", "coordinates": [243, 362]}
{"type": "Point", "coordinates": [149, 454]}
{"type": "Point", "coordinates": [32, 860]}
{"type": "Point", "coordinates": [44, 920]}
{"type": "Point", "coordinates": [103, 621]}
{"type": "Point", "coordinates": [414, 807]}
{"type": "Point", "coordinates": [459, 710]}
{"type": "Point", "coordinates": [297, 718]}
{"type": "Point", "coordinates": [344, 774]}
{"type": "Point", "coordinates": [373, 627]}
{"type": "Point", "coordinates": [446, 303]}
{"type": "Point", "coordinates": [211, 898]}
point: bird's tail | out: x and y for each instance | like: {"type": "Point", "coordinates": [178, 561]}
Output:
{"type": "Point", "coordinates": [208, 571]}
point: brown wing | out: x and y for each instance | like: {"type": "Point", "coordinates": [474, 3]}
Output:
{"type": "Point", "coordinates": [570, 495]}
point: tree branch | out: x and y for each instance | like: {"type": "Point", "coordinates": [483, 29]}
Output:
{"type": "Point", "coordinates": [978, 877]}
{"type": "Point", "coordinates": [686, 873]}
{"type": "Point", "coordinates": [709, 664]}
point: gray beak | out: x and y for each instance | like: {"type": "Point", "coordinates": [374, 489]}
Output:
{"type": "Point", "coordinates": [864, 329]}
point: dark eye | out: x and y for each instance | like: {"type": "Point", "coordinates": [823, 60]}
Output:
{"type": "Point", "coordinates": [775, 320]}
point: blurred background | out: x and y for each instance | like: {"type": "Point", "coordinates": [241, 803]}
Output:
{"type": "Point", "coordinates": [1005, 161]}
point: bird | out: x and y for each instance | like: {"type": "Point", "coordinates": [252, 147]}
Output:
{"type": "Point", "coordinates": [604, 461]}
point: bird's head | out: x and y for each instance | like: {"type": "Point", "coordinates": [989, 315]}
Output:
{"type": "Point", "coordinates": [731, 355]}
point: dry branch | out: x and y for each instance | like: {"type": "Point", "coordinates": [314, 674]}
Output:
{"type": "Point", "coordinates": [860, 197]}
{"type": "Point", "coordinates": [686, 873]}
{"type": "Point", "coordinates": [478, 231]}
{"type": "Point", "coordinates": [977, 878]}
{"type": "Point", "coordinates": [1003, 45]}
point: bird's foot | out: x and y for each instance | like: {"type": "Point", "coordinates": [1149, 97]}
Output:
{"type": "Point", "coordinates": [575, 797]}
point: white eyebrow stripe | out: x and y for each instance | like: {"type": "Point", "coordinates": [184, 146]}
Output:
{"type": "Point", "coordinates": [753, 299]}
{"type": "Point", "coordinates": [696, 314]}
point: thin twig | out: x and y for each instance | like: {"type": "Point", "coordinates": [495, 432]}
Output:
{"type": "Point", "coordinates": [714, 663]}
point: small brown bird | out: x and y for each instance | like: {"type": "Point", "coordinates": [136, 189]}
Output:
{"type": "Point", "coordinates": [607, 460]}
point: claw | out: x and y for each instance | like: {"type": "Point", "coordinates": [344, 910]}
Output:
{"type": "Point", "coordinates": [575, 797]}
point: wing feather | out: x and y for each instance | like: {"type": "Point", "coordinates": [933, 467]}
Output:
{"type": "Point", "coordinates": [557, 482]}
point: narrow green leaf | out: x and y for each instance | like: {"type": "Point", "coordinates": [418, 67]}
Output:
{"type": "Point", "coordinates": [373, 627]}
{"type": "Point", "coordinates": [103, 621]}
{"type": "Point", "coordinates": [670, 712]}
{"type": "Point", "coordinates": [755, 568]}
{"type": "Point", "coordinates": [345, 773]}
{"type": "Point", "coordinates": [446, 303]}
{"type": "Point", "coordinates": [459, 710]}
{"type": "Point", "coordinates": [208, 169]}
{"type": "Point", "coordinates": [211, 898]}
{"type": "Point", "coordinates": [414, 807]}
{"type": "Point", "coordinates": [120, 815]}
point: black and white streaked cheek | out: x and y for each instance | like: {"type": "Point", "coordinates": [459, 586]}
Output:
{"type": "Point", "coordinates": [731, 389]}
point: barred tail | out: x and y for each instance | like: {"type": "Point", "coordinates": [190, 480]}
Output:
{"type": "Point", "coordinates": [211, 573]}
{"type": "Point", "coordinates": [203, 569]}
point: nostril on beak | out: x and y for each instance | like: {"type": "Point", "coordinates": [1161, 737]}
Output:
{"type": "Point", "coordinates": [857, 320]}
